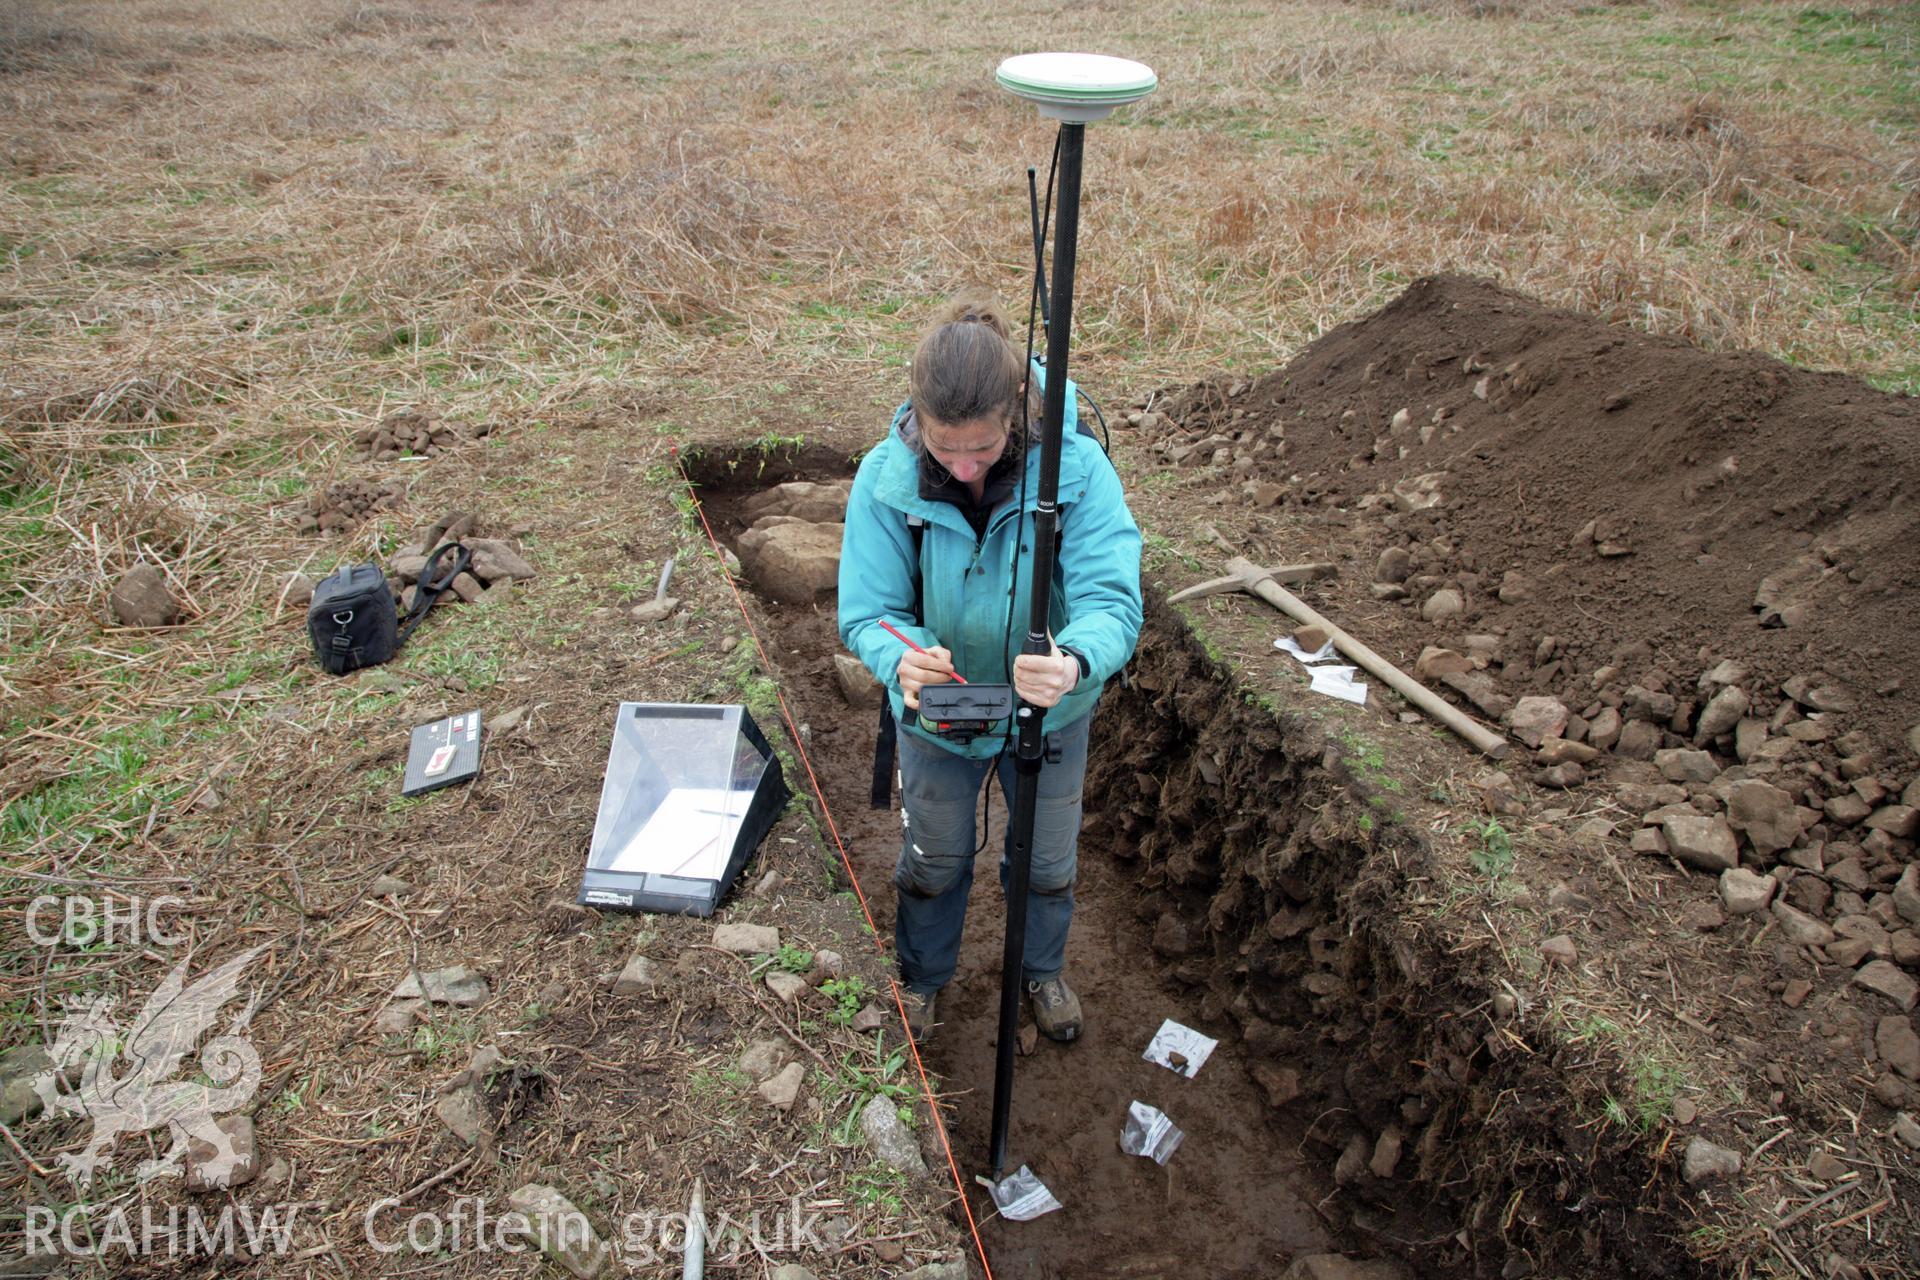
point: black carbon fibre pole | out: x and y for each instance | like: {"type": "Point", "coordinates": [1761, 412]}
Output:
{"type": "Point", "coordinates": [1030, 745]}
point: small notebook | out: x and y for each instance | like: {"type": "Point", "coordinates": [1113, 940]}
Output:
{"type": "Point", "coordinates": [442, 753]}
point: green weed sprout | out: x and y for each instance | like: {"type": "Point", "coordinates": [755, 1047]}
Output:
{"type": "Point", "coordinates": [1494, 857]}
{"type": "Point", "coordinates": [848, 995]}
{"type": "Point", "coordinates": [790, 959]}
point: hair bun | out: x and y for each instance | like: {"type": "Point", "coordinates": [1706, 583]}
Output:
{"type": "Point", "coordinates": [971, 307]}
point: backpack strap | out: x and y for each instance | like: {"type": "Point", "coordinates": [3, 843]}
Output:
{"type": "Point", "coordinates": [917, 530]}
{"type": "Point", "coordinates": [880, 794]}
{"type": "Point", "coordinates": [435, 581]}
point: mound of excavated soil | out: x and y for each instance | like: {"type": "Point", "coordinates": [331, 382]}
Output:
{"type": "Point", "coordinates": [1650, 506]}
{"type": "Point", "coordinates": [1685, 582]}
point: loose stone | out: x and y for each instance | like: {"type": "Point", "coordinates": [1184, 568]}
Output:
{"type": "Point", "coordinates": [1709, 1162]}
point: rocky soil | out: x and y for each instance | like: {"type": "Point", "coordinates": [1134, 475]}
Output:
{"type": "Point", "coordinates": [415, 435]}
{"type": "Point", "coordinates": [496, 562]}
{"type": "Point", "coordinates": [791, 546]}
{"type": "Point", "coordinates": [344, 504]}
{"type": "Point", "coordinates": [1684, 584]}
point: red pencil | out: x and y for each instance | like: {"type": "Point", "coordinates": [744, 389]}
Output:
{"type": "Point", "coordinates": [895, 633]}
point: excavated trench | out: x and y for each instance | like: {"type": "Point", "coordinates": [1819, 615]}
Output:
{"type": "Point", "coordinates": [1364, 1099]}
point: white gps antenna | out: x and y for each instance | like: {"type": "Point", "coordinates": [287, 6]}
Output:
{"type": "Point", "coordinates": [1076, 87]}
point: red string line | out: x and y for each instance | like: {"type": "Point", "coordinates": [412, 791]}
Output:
{"type": "Point", "coordinates": [819, 795]}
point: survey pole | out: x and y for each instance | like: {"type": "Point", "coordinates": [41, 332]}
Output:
{"type": "Point", "coordinates": [1074, 88]}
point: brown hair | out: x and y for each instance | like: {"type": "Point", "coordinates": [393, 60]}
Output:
{"type": "Point", "coordinates": [966, 366]}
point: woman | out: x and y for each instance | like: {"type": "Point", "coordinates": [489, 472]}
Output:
{"type": "Point", "coordinates": [938, 543]}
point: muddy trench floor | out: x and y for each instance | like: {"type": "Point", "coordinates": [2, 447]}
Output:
{"type": "Point", "coordinates": [1236, 1194]}
{"type": "Point", "coordinates": [1252, 1186]}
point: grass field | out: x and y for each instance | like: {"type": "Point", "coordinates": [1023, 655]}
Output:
{"type": "Point", "coordinates": [234, 234]}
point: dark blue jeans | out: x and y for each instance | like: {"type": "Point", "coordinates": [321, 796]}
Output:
{"type": "Point", "coordinates": [939, 792]}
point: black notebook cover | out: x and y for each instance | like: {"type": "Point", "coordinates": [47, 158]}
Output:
{"type": "Point", "coordinates": [443, 753]}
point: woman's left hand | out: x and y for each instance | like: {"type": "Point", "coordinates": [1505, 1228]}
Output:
{"type": "Point", "coordinates": [1043, 681]}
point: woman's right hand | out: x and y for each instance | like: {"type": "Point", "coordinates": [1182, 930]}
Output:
{"type": "Point", "coordinates": [917, 670]}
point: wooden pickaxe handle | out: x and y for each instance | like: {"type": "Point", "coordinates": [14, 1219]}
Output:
{"type": "Point", "coordinates": [1261, 583]}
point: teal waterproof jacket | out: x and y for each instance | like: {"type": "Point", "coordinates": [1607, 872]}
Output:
{"type": "Point", "coordinates": [966, 582]}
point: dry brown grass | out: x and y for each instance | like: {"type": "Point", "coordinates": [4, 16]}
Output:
{"type": "Point", "coordinates": [235, 231]}
{"type": "Point", "coordinates": [234, 234]}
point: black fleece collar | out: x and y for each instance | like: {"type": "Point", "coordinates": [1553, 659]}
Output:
{"type": "Point", "coordinates": [938, 485]}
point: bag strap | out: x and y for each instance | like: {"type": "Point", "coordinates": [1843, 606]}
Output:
{"type": "Point", "coordinates": [339, 655]}
{"type": "Point", "coordinates": [880, 794]}
{"type": "Point", "coordinates": [433, 583]}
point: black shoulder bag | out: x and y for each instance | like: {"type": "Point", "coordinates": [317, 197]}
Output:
{"type": "Point", "coordinates": [353, 622]}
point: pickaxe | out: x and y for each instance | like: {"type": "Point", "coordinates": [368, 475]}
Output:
{"type": "Point", "coordinates": [1244, 575]}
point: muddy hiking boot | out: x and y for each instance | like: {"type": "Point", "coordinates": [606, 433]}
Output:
{"type": "Point", "coordinates": [922, 1017]}
{"type": "Point", "coordinates": [1056, 1010]}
